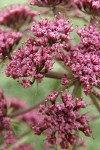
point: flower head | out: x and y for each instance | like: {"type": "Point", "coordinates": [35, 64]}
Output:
{"type": "Point", "coordinates": [16, 16]}
{"type": "Point", "coordinates": [36, 57]}
{"type": "Point", "coordinates": [84, 59]}
{"type": "Point", "coordinates": [3, 105]}
{"type": "Point", "coordinates": [8, 39]}
{"type": "Point", "coordinates": [47, 3]}
{"type": "Point", "coordinates": [62, 119]}
{"type": "Point", "coordinates": [5, 123]}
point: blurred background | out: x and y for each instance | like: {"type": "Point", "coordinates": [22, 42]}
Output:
{"type": "Point", "coordinates": [38, 92]}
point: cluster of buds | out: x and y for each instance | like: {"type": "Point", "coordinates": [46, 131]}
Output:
{"type": "Point", "coordinates": [16, 16]}
{"type": "Point", "coordinates": [63, 119]}
{"type": "Point", "coordinates": [8, 39]}
{"type": "Point", "coordinates": [5, 123]}
{"type": "Point", "coordinates": [84, 59]}
{"type": "Point", "coordinates": [47, 3]}
{"type": "Point", "coordinates": [36, 57]}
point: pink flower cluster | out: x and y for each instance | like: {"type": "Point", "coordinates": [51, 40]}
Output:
{"type": "Point", "coordinates": [46, 3]}
{"type": "Point", "coordinates": [5, 123]}
{"type": "Point", "coordinates": [50, 32]}
{"type": "Point", "coordinates": [16, 16]}
{"type": "Point", "coordinates": [8, 39]}
{"type": "Point", "coordinates": [63, 119]}
{"type": "Point", "coordinates": [84, 59]}
{"type": "Point", "coordinates": [35, 58]}
{"type": "Point", "coordinates": [89, 6]}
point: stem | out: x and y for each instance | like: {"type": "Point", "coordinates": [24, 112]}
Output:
{"type": "Point", "coordinates": [76, 144]}
{"type": "Point", "coordinates": [56, 75]}
{"type": "Point", "coordinates": [76, 87]}
{"type": "Point", "coordinates": [9, 56]}
{"type": "Point", "coordinates": [21, 112]}
{"type": "Point", "coordinates": [54, 10]}
{"type": "Point", "coordinates": [97, 95]}
{"type": "Point", "coordinates": [95, 102]}
{"type": "Point", "coordinates": [64, 67]}
{"type": "Point", "coordinates": [93, 20]}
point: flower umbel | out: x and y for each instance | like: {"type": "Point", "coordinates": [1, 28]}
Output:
{"type": "Point", "coordinates": [46, 3]}
{"type": "Point", "coordinates": [37, 56]}
{"type": "Point", "coordinates": [63, 119]}
{"type": "Point", "coordinates": [84, 59]}
{"type": "Point", "coordinates": [8, 39]}
{"type": "Point", "coordinates": [16, 16]}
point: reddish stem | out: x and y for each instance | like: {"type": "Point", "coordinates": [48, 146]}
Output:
{"type": "Point", "coordinates": [95, 102]}
{"type": "Point", "coordinates": [76, 87]}
{"type": "Point", "coordinates": [21, 112]}
{"type": "Point", "coordinates": [56, 75]}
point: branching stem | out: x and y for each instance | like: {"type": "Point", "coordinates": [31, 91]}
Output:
{"type": "Point", "coordinates": [21, 112]}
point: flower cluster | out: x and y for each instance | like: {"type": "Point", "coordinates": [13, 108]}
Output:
{"type": "Point", "coordinates": [5, 123]}
{"type": "Point", "coordinates": [35, 58]}
{"type": "Point", "coordinates": [84, 59]}
{"type": "Point", "coordinates": [89, 6]}
{"type": "Point", "coordinates": [63, 119]}
{"type": "Point", "coordinates": [16, 16]}
{"type": "Point", "coordinates": [8, 39]}
{"type": "Point", "coordinates": [46, 3]}
{"type": "Point", "coordinates": [65, 81]}
{"type": "Point", "coordinates": [3, 106]}
{"type": "Point", "coordinates": [52, 32]}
